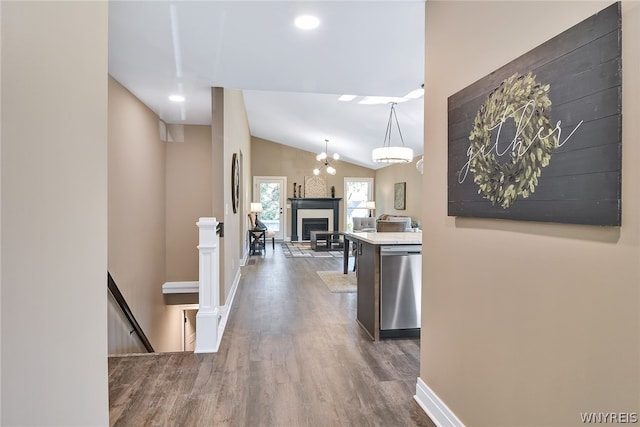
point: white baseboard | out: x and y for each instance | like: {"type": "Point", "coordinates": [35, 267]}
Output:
{"type": "Point", "coordinates": [226, 308]}
{"type": "Point", "coordinates": [435, 408]}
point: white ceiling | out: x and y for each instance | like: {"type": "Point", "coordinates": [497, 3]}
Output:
{"type": "Point", "coordinates": [291, 79]}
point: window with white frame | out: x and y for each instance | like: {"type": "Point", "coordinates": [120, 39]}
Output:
{"type": "Point", "coordinates": [357, 192]}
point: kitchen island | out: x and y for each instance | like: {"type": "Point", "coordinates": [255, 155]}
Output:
{"type": "Point", "coordinates": [389, 282]}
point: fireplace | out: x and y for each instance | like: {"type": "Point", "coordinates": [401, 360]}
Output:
{"type": "Point", "coordinates": [313, 208]}
{"type": "Point", "coordinates": [313, 224]}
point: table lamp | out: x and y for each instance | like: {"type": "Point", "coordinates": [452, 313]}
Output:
{"type": "Point", "coordinates": [371, 205]}
{"type": "Point", "coordinates": [256, 208]}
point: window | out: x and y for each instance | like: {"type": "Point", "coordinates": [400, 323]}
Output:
{"type": "Point", "coordinates": [357, 191]}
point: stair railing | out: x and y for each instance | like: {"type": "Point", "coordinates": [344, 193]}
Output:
{"type": "Point", "coordinates": [122, 303]}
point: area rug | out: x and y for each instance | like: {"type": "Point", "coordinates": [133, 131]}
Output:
{"type": "Point", "coordinates": [303, 250]}
{"type": "Point", "coordinates": [337, 281]}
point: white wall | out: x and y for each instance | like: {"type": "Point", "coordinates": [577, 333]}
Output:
{"type": "Point", "coordinates": [54, 213]}
{"type": "Point", "coordinates": [525, 323]}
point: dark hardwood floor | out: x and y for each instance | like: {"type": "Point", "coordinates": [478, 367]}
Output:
{"type": "Point", "coordinates": [292, 355]}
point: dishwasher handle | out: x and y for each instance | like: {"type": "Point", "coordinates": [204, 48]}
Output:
{"type": "Point", "coordinates": [400, 250]}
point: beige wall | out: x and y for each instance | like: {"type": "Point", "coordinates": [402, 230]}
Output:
{"type": "Point", "coordinates": [54, 213]}
{"type": "Point", "coordinates": [137, 219]}
{"type": "Point", "coordinates": [230, 134]}
{"type": "Point", "coordinates": [217, 173]}
{"type": "Point", "coordinates": [387, 177]}
{"type": "Point", "coordinates": [188, 197]}
{"type": "Point", "coordinates": [273, 159]}
{"type": "Point", "coordinates": [525, 323]}
{"type": "Point", "coordinates": [237, 139]}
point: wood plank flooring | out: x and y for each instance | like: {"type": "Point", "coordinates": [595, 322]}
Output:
{"type": "Point", "coordinates": [292, 355]}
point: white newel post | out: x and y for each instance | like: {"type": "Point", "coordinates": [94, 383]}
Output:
{"type": "Point", "coordinates": [208, 316]}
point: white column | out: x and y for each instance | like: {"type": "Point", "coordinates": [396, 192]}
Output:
{"type": "Point", "coordinates": [208, 316]}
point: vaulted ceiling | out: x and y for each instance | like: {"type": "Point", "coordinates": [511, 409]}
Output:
{"type": "Point", "coordinates": [291, 78]}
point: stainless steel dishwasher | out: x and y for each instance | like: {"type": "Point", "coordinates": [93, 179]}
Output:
{"type": "Point", "coordinates": [400, 290]}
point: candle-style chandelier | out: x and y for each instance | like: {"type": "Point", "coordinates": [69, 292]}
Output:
{"type": "Point", "coordinates": [326, 161]}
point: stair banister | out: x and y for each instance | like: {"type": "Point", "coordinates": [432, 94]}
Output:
{"type": "Point", "coordinates": [122, 303]}
{"type": "Point", "coordinates": [208, 316]}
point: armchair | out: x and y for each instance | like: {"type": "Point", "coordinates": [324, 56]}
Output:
{"type": "Point", "coordinates": [364, 224]}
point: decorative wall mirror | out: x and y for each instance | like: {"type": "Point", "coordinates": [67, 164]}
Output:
{"type": "Point", "coordinates": [235, 182]}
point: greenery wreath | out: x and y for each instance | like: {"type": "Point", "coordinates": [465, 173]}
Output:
{"type": "Point", "coordinates": [503, 183]}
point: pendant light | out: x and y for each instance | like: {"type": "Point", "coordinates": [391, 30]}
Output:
{"type": "Point", "coordinates": [389, 153]}
{"type": "Point", "coordinates": [326, 161]}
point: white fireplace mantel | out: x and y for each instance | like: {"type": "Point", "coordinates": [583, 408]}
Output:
{"type": "Point", "coordinates": [314, 213]}
{"type": "Point", "coordinates": [299, 204]}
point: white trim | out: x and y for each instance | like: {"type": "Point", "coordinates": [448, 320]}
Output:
{"type": "Point", "coordinates": [180, 287]}
{"type": "Point", "coordinates": [313, 214]}
{"type": "Point", "coordinates": [434, 407]}
{"type": "Point", "coordinates": [372, 194]}
{"type": "Point", "coordinates": [208, 316]}
{"type": "Point", "coordinates": [226, 309]}
{"type": "Point", "coordinates": [208, 321]}
{"type": "Point", "coordinates": [221, 313]}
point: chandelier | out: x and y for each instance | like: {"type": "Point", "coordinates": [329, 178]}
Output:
{"type": "Point", "coordinates": [389, 153]}
{"type": "Point", "coordinates": [326, 161]}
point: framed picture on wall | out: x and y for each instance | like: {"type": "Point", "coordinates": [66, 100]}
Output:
{"type": "Point", "coordinates": [399, 196]}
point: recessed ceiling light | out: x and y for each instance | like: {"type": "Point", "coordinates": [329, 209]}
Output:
{"type": "Point", "coordinates": [176, 98]}
{"type": "Point", "coordinates": [347, 98]}
{"type": "Point", "coordinates": [307, 22]}
{"type": "Point", "coordinates": [373, 100]}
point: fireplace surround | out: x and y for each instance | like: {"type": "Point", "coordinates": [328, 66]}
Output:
{"type": "Point", "coordinates": [313, 224]}
{"type": "Point", "coordinates": [303, 204]}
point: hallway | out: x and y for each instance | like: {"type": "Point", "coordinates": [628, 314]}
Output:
{"type": "Point", "coordinates": [292, 355]}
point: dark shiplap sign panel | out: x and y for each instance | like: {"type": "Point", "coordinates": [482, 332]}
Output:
{"type": "Point", "coordinates": [540, 138]}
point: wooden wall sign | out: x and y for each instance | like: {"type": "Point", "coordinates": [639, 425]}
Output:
{"type": "Point", "coordinates": [540, 138]}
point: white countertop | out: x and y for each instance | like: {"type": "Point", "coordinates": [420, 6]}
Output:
{"type": "Point", "coordinates": [389, 238]}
